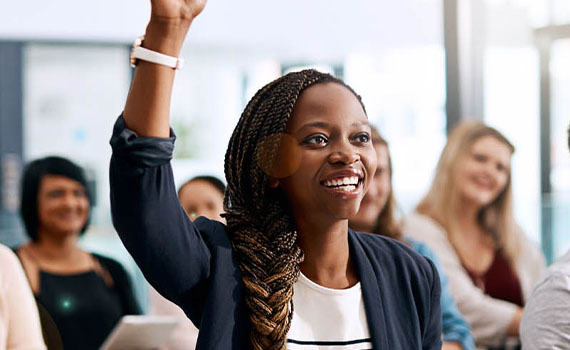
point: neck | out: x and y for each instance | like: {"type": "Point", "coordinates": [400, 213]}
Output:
{"type": "Point", "coordinates": [56, 246]}
{"type": "Point", "coordinates": [466, 214]}
{"type": "Point", "coordinates": [327, 254]}
{"type": "Point", "coordinates": [362, 227]}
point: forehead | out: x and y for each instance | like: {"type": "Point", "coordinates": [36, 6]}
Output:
{"type": "Point", "coordinates": [330, 103]}
{"type": "Point", "coordinates": [50, 181]}
{"type": "Point", "coordinates": [492, 146]}
{"type": "Point", "coordinates": [201, 188]}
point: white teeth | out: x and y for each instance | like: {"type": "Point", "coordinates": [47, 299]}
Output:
{"type": "Point", "coordinates": [348, 188]}
{"type": "Point", "coordinates": [352, 181]}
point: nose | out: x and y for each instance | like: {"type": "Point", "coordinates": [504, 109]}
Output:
{"type": "Point", "coordinates": [490, 169]}
{"type": "Point", "coordinates": [344, 154]}
{"type": "Point", "coordinates": [70, 199]}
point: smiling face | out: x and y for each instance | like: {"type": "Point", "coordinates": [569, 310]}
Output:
{"type": "Point", "coordinates": [484, 171]}
{"type": "Point", "coordinates": [337, 156]}
{"type": "Point", "coordinates": [377, 195]}
{"type": "Point", "coordinates": [63, 206]}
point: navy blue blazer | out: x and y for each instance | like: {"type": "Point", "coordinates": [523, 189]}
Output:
{"type": "Point", "coordinates": [193, 265]}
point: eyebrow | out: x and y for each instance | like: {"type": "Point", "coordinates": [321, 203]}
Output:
{"type": "Point", "coordinates": [325, 125]}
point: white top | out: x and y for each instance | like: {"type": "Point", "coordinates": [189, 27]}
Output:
{"type": "Point", "coordinates": [489, 318]}
{"type": "Point", "coordinates": [19, 321]}
{"type": "Point", "coordinates": [546, 318]}
{"type": "Point", "coordinates": [327, 319]}
{"type": "Point", "coordinates": [185, 334]}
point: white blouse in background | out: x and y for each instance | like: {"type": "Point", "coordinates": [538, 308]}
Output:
{"type": "Point", "coordinates": [19, 321]}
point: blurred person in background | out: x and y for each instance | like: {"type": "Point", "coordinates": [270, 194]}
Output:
{"type": "Point", "coordinates": [467, 219]}
{"type": "Point", "coordinates": [546, 317]}
{"type": "Point", "coordinates": [19, 319]}
{"type": "Point", "coordinates": [199, 196]}
{"type": "Point", "coordinates": [81, 295]}
{"type": "Point", "coordinates": [377, 215]}
{"type": "Point", "coordinates": [203, 196]}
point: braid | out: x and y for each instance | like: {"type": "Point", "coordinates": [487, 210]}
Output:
{"type": "Point", "coordinates": [261, 228]}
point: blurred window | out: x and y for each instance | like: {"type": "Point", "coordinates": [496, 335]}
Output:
{"type": "Point", "coordinates": [403, 90]}
{"type": "Point", "coordinates": [511, 104]}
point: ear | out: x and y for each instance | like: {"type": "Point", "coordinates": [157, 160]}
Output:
{"type": "Point", "coordinates": [273, 182]}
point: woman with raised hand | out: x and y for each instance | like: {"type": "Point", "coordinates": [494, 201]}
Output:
{"type": "Point", "coordinates": [286, 271]}
{"type": "Point", "coordinates": [377, 215]}
{"type": "Point", "coordinates": [467, 219]}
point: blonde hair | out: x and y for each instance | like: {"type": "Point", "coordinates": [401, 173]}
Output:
{"type": "Point", "coordinates": [386, 223]}
{"type": "Point", "coordinates": [495, 218]}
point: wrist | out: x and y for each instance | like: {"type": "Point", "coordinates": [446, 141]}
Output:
{"type": "Point", "coordinates": [166, 36]}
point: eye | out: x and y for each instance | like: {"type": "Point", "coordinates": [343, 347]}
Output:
{"type": "Point", "coordinates": [501, 168]}
{"type": "Point", "coordinates": [362, 137]}
{"type": "Point", "coordinates": [318, 139]}
{"type": "Point", "coordinates": [80, 193]}
{"type": "Point", "coordinates": [479, 157]}
{"type": "Point", "coordinates": [55, 194]}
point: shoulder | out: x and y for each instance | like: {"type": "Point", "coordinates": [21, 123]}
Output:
{"type": "Point", "coordinates": [557, 276]}
{"type": "Point", "coordinates": [561, 265]}
{"type": "Point", "coordinates": [11, 271]}
{"type": "Point", "coordinates": [530, 250]}
{"type": "Point", "coordinates": [530, 261]}
{"type": "Point", "coordinates": [8, 260]}
{"type": "Point", "coordinates": [380, 243]}
{"type": "Point", "coordinates": [391, 254]}
{"type": "Point", "coordinates": [426, 230]}
{"type": "Point", "coordinates": [422, 227]}
{"type": "Point", "coordinates": [213, 232]}
{"type": "Point", "coordinates": [422, 248]}
{"type": "Point", "coordinates": [113, 266]}
{"type": "Point", "coordinates": [7, 255]}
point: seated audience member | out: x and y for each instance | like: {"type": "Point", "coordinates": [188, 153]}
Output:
{"type": "Point", "coordinates": [203, 196]}
{"type": "Point", "coordinates": [200, 196]}
{"type": "Point", "coordinates": [81, 295]}
{"type": "Point", "coordinates": [546, 317]}
{"type": "Point", "coordinates": [376, 215]}
{"type": "Point", "coordinates": [466, 218]}
{"type": "Point", "coordinates": [19, 319]}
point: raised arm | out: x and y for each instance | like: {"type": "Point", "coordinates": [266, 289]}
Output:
{"type": "Point", "coordinates": [152, 225]}
{"type": "Point", "coordinates": [148, 105]}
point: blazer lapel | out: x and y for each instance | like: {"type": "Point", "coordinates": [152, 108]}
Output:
{"type": "Point", "coordinates": [370, 293]}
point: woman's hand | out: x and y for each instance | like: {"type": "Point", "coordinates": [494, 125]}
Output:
{"type": "Point", "coordinates": [176, 10]}
{"type": "Point", "coordinates": [169, 23]}
{"type": "Point", "coordinates": [513, 328]}
{"type": "Point", "coordinates": [148, 105]}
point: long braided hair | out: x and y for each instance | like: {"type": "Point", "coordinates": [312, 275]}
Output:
{"type": "Point", "coordinates": [261, 227]}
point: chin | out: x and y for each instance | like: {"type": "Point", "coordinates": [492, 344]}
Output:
{"type": "Point", "coordinates": [70, 230]}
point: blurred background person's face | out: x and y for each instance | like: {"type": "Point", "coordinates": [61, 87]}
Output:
{"type": "Point", "coordinates": [377, 195]}
{"type": "Point", "coordinates": [200, 198]}
{"type": "Point", "coordinates": [63, 206]}
{"type": "Point", "coordinates": [483, 172]}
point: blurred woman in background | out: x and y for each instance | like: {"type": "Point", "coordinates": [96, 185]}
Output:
{"type": "Point", "coordinates": [377, 215]}
{"type": "Point", "coordinates": [203, 196]}
{"type": "Point", "coordinates": [467, 219]}
{"type": "Point", "coordinates": [81, 295]}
